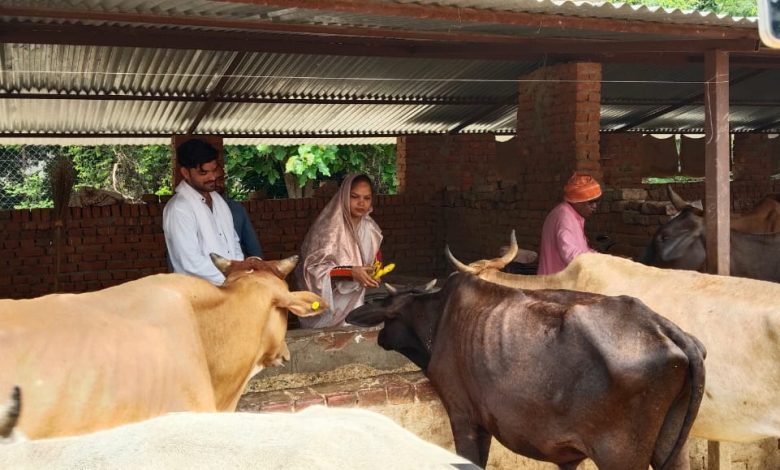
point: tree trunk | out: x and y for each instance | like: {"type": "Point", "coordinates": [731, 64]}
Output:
{"type": "Point", "coordinates": [294, 191]}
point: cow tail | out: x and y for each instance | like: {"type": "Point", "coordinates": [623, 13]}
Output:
{"type": "Point", "coordinates": [10, 415]}
{"type": "Point", "coordinates": [695, 352]}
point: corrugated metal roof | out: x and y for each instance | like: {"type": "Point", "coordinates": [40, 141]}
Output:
{"type": "Point", "coordinates": [338, 76]}
{"type": "Point", "coordinates": [76, 116]}
{"type": "Point", "coordinates": [120, 70]}
{"type": "Point", "coordinates": [628, 90]}
{"type": "Point", "coordinates": [167, 140]}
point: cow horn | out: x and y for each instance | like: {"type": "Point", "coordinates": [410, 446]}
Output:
{"type": "Point", "coordinates": [510, 254]}
{"type": "Point", "coordinates": [390, 289]}
{"type": "Point", "coordinates": [285, 266]}
{"type": "Point", "coordinates": [430, 285]}
{"type": "Point", "coordinates": [223, 264]}
{"type": "Point", "coordinates": [11, 413]}
{"type": "Point", "coordinates": [458, 265]}
{"type": "Point", "coordinates": [678, 202]}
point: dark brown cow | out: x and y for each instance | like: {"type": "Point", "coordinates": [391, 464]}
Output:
{"type": "Point", "coordinates": [554, 375]}
{"type": "Point", "coordinates": [680, 244]}
{"type": "Point", "coordinates": [763, 218]}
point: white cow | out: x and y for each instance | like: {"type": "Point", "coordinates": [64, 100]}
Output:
{"type": "Point", "coordinates": [737, 320]}
{"type": "Point", "coordinates": [315, 438]}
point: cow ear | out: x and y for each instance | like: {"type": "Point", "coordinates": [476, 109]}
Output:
{"type": "Point", "coordinates": [367, 315]}
{"type": "Point", "coordinates": [302, 303]}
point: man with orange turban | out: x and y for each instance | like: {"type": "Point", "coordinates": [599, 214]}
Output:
{"type": "Point", "coordinates": [563, 233]}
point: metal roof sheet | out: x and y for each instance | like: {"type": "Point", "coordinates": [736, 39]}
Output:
{"type": "Point", "coordinates": [158, 77]}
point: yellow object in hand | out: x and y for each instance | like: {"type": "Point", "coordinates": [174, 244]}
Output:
{"type": "Point", "coordinates": [381, 271]}
{"type": "Point", "coordinates": [315, 306]}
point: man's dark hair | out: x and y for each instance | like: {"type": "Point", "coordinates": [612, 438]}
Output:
{"type": "Point", "coordinates": [195, 152]}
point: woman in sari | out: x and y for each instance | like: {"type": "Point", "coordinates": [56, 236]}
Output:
{"type": "Point", "coordinates": [339, 252]}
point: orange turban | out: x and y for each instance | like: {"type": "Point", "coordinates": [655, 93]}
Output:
{"type": "Point", "coordinates": [581, 188]}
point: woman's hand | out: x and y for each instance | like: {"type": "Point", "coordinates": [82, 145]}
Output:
{"type": "Point", "coordinates": [362, 275]}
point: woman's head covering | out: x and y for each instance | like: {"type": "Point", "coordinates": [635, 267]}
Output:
{"type": "Point", "coordinates": [581, 188]}
{"type": "Point", "coordinates": [333, 241]}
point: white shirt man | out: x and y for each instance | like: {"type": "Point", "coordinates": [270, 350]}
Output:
{"type": "Point", "coordinates": [197, 221]}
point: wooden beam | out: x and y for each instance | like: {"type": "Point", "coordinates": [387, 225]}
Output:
{"type": "Point", "coordinates": [679, 51]}
{"type": "Point", "coordinates": [536, 21]}
{"type": "Point", "coordinates": [717, 161]}
{"type": "Point", "coordinates": [693, 99]}
{"type": "Point", "coordinates": [255, 24]}
{"type": "Point", "coordinates": [771, 103]}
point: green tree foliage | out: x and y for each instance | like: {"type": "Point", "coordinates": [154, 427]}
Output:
{"type": "Point", "coordinates": [729, 7]}
{"type": "Point", "coordinates": [377, 161]}
{"type": "Point", "coordinates": [33, 191]}
{"type": "Point", "coordinates": [134, 170]}
{"type": "Point", "coordinates": [261, 167]}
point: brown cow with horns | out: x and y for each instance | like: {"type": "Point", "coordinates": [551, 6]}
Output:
{"type": "Point", "coordinates": [554, 375]}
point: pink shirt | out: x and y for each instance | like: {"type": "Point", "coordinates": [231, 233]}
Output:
{"type": "Point", "coordinates": [563, 238]}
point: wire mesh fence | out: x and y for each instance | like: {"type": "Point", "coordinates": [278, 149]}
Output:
{"type": "Point", "coordinates": [24, 175]}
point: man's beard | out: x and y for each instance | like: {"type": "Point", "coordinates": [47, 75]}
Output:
{"type": "Point", "coordinates": [203, 187]}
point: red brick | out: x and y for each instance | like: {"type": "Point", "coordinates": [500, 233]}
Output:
{"type": "Point", "coordinates": [400, 393]}
{"type": "Point", "coordinates": [342, 399]}
{"type": "Point", "coordinates": [371, 397]}
{"type": "Point", "coordinates": [278, 407]}
{"type": "Point", "coordinates": [424, 391]}
{"type": "Point", "coordinates": [308, 400]}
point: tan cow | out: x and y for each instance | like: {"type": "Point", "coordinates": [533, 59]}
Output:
{"type": "Point", "coordinates": [737, 320]}
{"type": "Point", "coordinates": [163, 343]}
{"type": "Point", "coordinates": [763, 218]}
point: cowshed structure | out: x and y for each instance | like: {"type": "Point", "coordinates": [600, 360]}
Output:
{"type": "Point", "coordinates": [573, 86]}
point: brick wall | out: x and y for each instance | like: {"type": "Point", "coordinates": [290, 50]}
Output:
{"type": "Point", "coordinates": [458, 162]}
{"type": "Point", "coordinates": [620, 155]}
{"type": "Point", "coordinates": [753, 163]}
{"type": "Point", "coordinates": [105, 246]}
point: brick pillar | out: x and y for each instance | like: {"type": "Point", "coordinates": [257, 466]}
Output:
{"type": "Point", "coordinates": [558, 126]}
{"type": "Point", "coordinates": [752, 169]}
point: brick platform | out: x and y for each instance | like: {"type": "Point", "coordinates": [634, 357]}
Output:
{"type": "Point", "coordinates": [387, 389]}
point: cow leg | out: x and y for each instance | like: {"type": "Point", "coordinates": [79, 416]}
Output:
{"type": "Point", "coordinates": [471, 441]}
{"type": "Point", "coordinates": [682, 461]}
{"type": "Point", "coordinates": [484, 439]}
